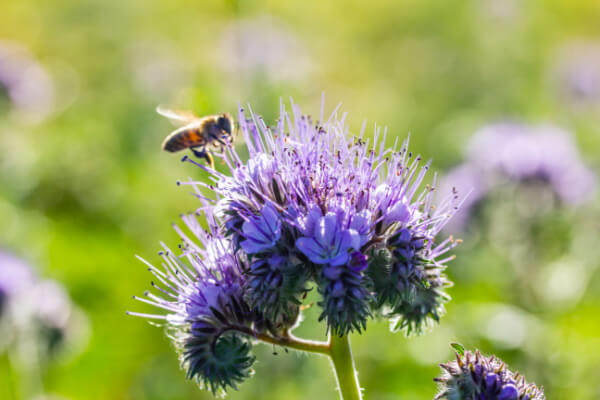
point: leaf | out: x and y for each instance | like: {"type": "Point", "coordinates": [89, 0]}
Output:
{"type": "Point", "coordinates": [460, 349]}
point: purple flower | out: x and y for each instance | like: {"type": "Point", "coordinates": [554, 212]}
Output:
{"type": "Point", "coordinates": [261, 232]}
{"type": "Point", "coordinates": [511, 152]}
{"type": "Point", "coordinates": [329, 244]}
{"type": "Point", "coordinates": [314, 203]}
{"type": "Point", "coordinates": [202, 294]}
{"type": "Point", "coordinates": [264, 47]}
{"type": "Point", "coordinates": [15, 276]}
{"type": "Point", "coordinates": [577, 71]}
{"type": "Point", "coordinates": [475, 377]}
{"type": "Point", "coordinates": [27, 84]}
{"type": "Point", "coordinates": [521, 152]}
{"type": "Point", "coordinates": [28, 303]}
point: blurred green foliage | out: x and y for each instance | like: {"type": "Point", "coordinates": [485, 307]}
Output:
{"type": "Point", "coordinates": [87, 187]}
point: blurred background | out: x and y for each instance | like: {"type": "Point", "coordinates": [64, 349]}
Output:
{"type": "Point", "coordinates": [503, 95]}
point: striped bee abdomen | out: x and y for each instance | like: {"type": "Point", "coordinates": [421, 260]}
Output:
{"type": "Point", "coordinates": [182, 139]}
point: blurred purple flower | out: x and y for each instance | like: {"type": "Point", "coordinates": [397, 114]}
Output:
{"type": "Point", "coordinates": [156, 67]}
{"type": "Point", "coordinates": [520, 153]}
{"type": "Point", "coordinates": [37, 308]}
{"type": "Point", "coordinates": [26, 83]}
{"type": "Point", "coordinates": [264, 47]}
{"type": "Point", "coordinates": [15, 277]}
{"type": "Point", "coordinates": [577, 71]}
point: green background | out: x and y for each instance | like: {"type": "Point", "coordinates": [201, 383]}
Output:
{"type": "Point", "coordinates": [86, 188]}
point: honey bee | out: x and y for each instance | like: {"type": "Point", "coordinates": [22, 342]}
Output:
{"type": "Point", "coordinates": [197, 133]}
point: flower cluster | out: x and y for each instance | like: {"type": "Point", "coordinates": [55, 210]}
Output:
{"type": "Point", "coordinates": [315, 204]}
{"type": "Point", "coordinates": [312, 207]}
{"type": "Point", "coordinates": [521, 153]}
{"type": "Point", "coordinates": [475, 377]}
{"type": "Point", "coordinates": [206, 307]}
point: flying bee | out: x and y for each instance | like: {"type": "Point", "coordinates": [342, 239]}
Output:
{"type": "Point", "coordinates": [197, 133]}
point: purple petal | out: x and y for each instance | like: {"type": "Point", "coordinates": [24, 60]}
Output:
{"type": "Point", "coordinates": [327, 229]}
{"type": "Point", "coordinates": [309, 222]}
{"type": "Point", "coordinates": [311, 249]}
{"type": "Point", "coordinates": [400, 212]}
{"type": "Point", "coordinates": [251, 231]}
{"type": "Point", "coordinates": [271, 217]}
{"type": "Point", "coordinates": [509, 392]}
{"type": "Point", "coordinates": [490, 380]}
{"type": "Point", "coordinates": [252, 247]}
{"type": "Point", "coordinates": [339, 259]}
{"type": "Point", "coordinates": [361, 223]}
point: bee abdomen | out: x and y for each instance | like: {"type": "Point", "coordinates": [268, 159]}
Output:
{"type": "Point", "coordinates": [180, 140]}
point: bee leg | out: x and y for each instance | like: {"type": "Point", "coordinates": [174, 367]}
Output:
{"type": "Point", "coordinates": [210, 159]}
{"type": "Point", "coordinates": [199, 153]}
{"type": "Point", "coordinates": [202, 153]}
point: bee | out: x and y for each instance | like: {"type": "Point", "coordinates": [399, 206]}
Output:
{"type": "Point", "coordinates": [197, 133]}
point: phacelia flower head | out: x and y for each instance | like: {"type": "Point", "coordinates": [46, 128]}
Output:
{"type": "Point", "coordinates": [315, 204]}
{"type": "Point", "coordinates": [202, 292]}
{"type": "Point", "coordinates": [475, 377]}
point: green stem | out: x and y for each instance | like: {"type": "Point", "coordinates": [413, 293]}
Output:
{"type": "Point", "coordinates": [337, 349]}
{"type": "Point", "coordinates": [296, 343]}
{"type": "Point", "coordinates": [343, 366]}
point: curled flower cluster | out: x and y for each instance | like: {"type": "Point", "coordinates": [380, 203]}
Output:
{"type": "Point", "coordinates": [475, 377]}
{"type": "Point", "coordinates": [312, 207]}
{"type": "Point", "coordinates": [205, 304]}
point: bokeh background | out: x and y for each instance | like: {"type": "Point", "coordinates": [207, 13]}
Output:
{"type": "Point", "coordinates": [84, 185]}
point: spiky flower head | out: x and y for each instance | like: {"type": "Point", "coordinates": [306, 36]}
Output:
{"type": "Point", "coordinates": [472, 376]}
{"type": "Point", "coordinates": [202, 292]}
{"type": "Point", "coordinates": [312, 206]}
{"type": "Point", "coordinates": [315, 204]}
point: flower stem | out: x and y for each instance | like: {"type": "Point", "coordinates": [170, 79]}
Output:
{"type": "Point", "coordinates": [296, 343]}
{"type": "Point", "coordinates": [343, 366]}
{"type": "Point", "coordinates": [337, 349]}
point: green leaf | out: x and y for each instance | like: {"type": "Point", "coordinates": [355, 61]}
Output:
{"type": "Point", "coordinates": [460, 349]}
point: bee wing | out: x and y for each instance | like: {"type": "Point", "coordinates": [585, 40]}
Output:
{"type": "Point", "coordinates": [177, 117]}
